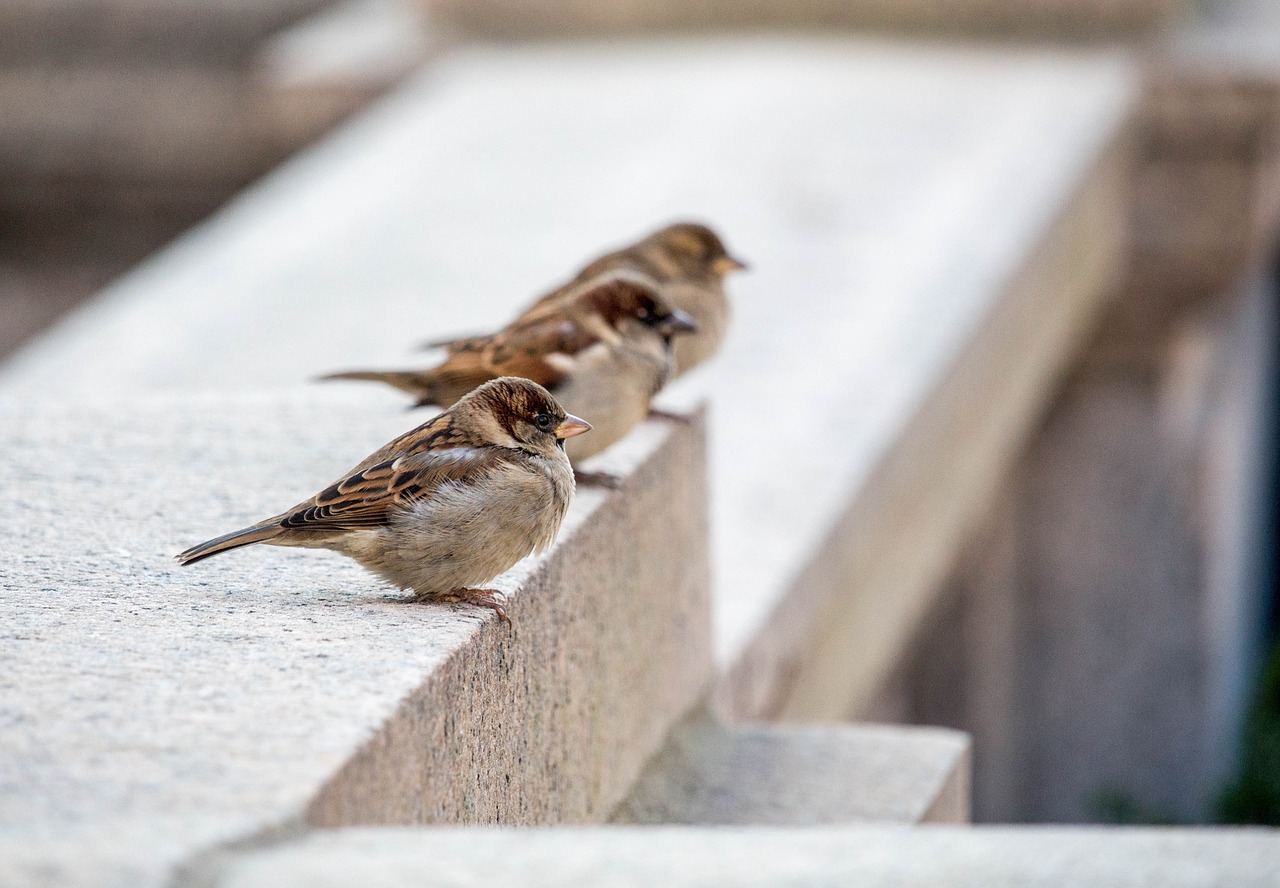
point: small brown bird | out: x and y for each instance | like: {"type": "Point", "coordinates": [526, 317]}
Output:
{"type": "Point", "coordinates": [446, 507]}
{"type": "Point", "coordinates": [604, 352]}
{"type": "Point", "coordinates": [688, 262]}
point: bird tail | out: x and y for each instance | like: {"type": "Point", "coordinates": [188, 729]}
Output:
{"type": "Point", "coordinates": [443, 386]}
{"type": "Point", "coordinates": [258, 533]}
{"type": "Point", "coordinates": [457, 344]}
{"type": "Point", "coordinates": [413, 382]}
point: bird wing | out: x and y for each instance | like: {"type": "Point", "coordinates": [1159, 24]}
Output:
{"type": "Point", "coordinates": [537, 349]}
{"type": "Point", "coordinates": [410, 468]}
{"type": "Point", "coordinates": [369, 498]}
{"type": "Point", "coordinates": [543, 342]}
{"type": "Point", "coordinates": [551, 302]}
{"type": "Point", "coordinates": [479, 345]}
{"type": "Point", "coordinates": [579, 317]}
{"type": "Point", "coordinates": [615, 269]}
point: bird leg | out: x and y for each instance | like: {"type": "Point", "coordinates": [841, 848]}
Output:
{"type": "Point", "coordinates": [659, 413]}
{"type": "Point", "coordinates": [490, 598]}
{"type": "Point", "coordinates": [597, 479]}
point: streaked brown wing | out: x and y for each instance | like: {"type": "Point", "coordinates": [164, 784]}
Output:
{"type": "Point", "coordinates": [528, 323]}
{"type": "Point", "coordinates": [632, 262]}
{"type": "Point", "coordinates": [368, 497]}
{"type": "Point", "coordinates": [553, 304]}
{"type": "Point", "coordinates": [583, 315]}
{"type": "Point", "coordinates": [529, 349]}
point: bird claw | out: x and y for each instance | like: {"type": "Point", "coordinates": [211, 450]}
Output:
{"type": "Point", "coordinates": [491, 598]}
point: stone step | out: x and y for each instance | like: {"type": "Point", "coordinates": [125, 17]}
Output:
{"type": "Point", "coordinates": [803, 775]}
{"type": "Point", "coordinates": [712, 857]}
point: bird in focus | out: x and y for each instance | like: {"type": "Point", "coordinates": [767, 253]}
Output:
{"type": "Point", "coordinates": [687, 261]}
{"type": "Point", "coordinates": [446, 507]}
{"type": "Point", "coordinates": [604, 349]}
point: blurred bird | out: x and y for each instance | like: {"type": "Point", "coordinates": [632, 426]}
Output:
{"type": "Point", "coordinates": [446, 507]}
{"type": "Point", "coordinates": [603, 349]}
{"type": "Point", "coordinates": [687, 261]}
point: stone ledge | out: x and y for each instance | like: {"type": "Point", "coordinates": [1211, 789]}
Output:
{"type": "Point", "coordinates": [153, 711]}
{"type": "Point", "coordinates": [801, 775]}
{"type": "Point", "coordinates": [869, 857]}
{"type": "Point", "coordinates": [863, 223]}
{"type": "Point", "coordinates": [928, 474]}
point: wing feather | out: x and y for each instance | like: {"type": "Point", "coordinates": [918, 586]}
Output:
{"type": "Point", "coordinates": [409, 468]}
{"type": "Point", "coordinates": [369, 497]}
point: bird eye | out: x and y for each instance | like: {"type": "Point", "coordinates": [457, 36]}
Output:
{"type": "Point", "coordinates": [544, 422]}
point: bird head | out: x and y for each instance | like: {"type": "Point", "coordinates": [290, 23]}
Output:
{"type": "Point", "coordinates": [515, 412]}
{"type": "Point", "coordinates": [629, 301]}
{"type": "Point", "coordinates": [696, 249]}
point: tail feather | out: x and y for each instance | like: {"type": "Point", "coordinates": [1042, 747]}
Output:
{"type": "Point", "coordinates": [248, 536]}
{"type": "Point", "coordinates": [456, 344]}
{"type": "Point", "coordinates": [442, 386]}
{"type": "Point", "coordinates": [411, 382]}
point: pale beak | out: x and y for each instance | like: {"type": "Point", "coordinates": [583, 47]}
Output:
{"type": "Point", "coordinates": [679, 322]}
{"type": "Point", "coordinates": [726, 264]}
{"type": "Point", "coordinates": [572, 426]}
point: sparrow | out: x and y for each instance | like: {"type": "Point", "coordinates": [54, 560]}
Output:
{"type": "Point", "coordinates": [603, 352]}
{"type": "Point", "coordinates": [446, 507]}
{"type": "Point", "coordinates": [688, 261]}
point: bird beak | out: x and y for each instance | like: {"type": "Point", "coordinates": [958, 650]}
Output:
{"type": "Point", "coordinates": [679, 322]}
{"type": "Point", "coordinates": [726, 264]}
{"type": "Point", "coordinates": [572, 426]}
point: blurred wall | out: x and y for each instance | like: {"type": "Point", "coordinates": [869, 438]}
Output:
{"type": "Point", "coordinates": [1038, 19]}
{"type": "Point", "coordinates": [126, 121]}
{"type": "Point", "coordinates": [1103, 634]}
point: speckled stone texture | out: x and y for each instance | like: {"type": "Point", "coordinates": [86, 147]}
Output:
{"type": "Point", "coordinates": [682, 857]}
{"type": "Point", "coordinates": [803, 775]}
{"type": "Point", "coordinates": [151, 711]}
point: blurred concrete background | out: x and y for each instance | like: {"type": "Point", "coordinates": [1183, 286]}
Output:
{"type": "Point", "coordinates": [123, 123]}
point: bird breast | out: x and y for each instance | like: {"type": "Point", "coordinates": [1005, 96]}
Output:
{"type": "Point", "coordinates": [708, 305]}
{"type": "Point", "coordinates": [466, 533]}
{"type": "Point", "coordinates": [611, 387]}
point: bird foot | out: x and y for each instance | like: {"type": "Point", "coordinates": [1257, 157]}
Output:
{"type": "Point", "coordinates": [659, 413]}
{"type": "Point", "coordinates": [597, 479]}
{"type": "Point", "coordinates": [490, 598]}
